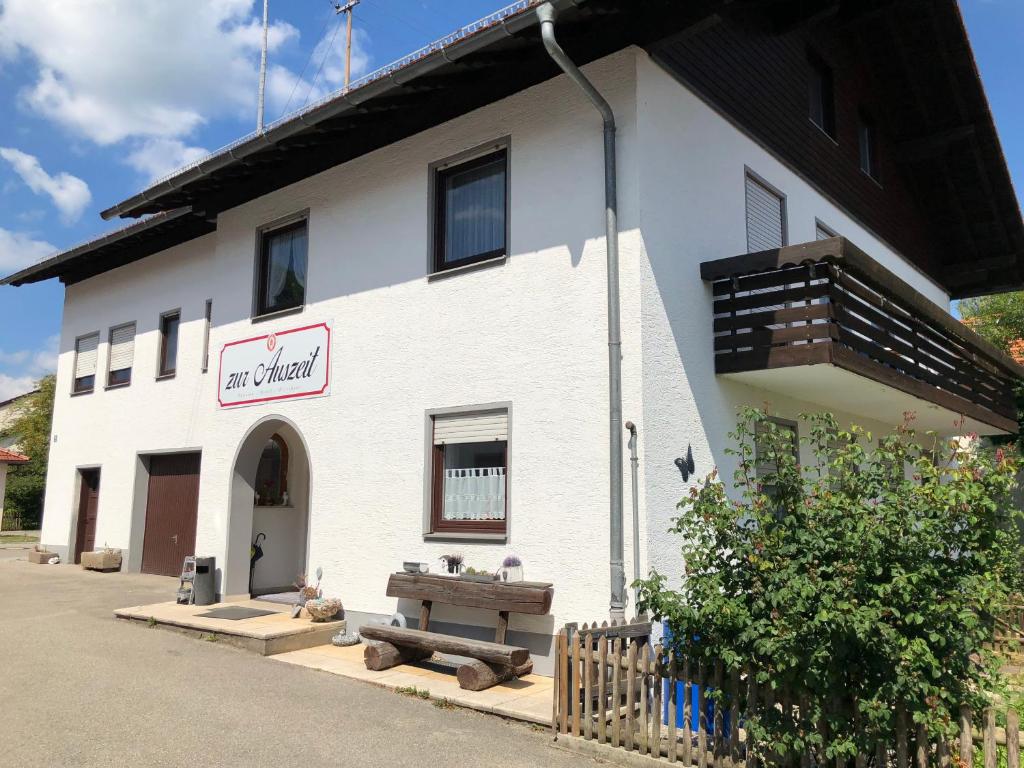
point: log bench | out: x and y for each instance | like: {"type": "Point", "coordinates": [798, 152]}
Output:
{"type": "Point", "coordinates": [491, 662]}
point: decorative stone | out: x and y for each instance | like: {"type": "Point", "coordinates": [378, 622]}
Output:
{"type": "Point", "coordinates": [40, 558]}
{"type": "Point", "coordinates": [345, 639]}
{"type": "Point", "coordinates": [323, 608]}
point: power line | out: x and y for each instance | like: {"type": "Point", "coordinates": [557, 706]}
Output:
{"type": "Point", "coordinates": [327, 52]}
{"type": "Point", "coordinates": [409, 24]}
{"type": "Point", "coordinates": [319, 37]}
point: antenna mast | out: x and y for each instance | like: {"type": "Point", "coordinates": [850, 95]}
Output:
{"type": "Point", "coordinates": [263, 68]}
{"type": "Point", "coordinates": [347, 9]}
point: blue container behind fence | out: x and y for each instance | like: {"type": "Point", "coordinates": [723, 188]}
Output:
{"type": "Point", "coordinates": [709, 705]}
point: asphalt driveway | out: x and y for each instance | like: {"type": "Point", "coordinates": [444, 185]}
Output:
{"type": "Point", "coordinates": [79, 688]}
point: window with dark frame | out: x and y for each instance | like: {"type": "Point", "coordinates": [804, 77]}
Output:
{"type": "Point", "coordinates": [122, 355]}
{"type": "Point", "coordinates": [86, 350]}
{"type": "Point", "coordinates": [471, 211]}
{"type": "Point", "coordinates": [469, 473]}
{"type": "Point", "coordinates": [868, 141]}
{"type": "Point", "coordinates": [822, 96]}
{"type": "Point", "coordinates": [169, 323]}
{"type": "Point", "coordinates": [281, 276]}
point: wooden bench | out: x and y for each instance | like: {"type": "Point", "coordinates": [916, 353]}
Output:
{"type": "Point", "coordinates": [492, 662]}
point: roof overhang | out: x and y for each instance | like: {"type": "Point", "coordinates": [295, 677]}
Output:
{"type": "Point", "coordinates": [503, 54]}
{"type": "Point", "coordinates": [114, 249]}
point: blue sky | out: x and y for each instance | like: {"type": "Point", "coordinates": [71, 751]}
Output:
{"type": "Point", "coordinates": [100, 97]}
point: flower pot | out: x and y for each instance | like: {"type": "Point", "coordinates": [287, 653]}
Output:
{"type": "Point", "coordinates": [512, 573]}
{"type": "Point", "coordinates": [103, 560]}
{"type": "Point", "coordinates": [40, 558]}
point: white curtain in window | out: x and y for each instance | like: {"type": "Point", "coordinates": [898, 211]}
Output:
{"type": "Point", "coordinates": [474, 493]}
{"type": "Point", "coordinates": [122, 347]}
{"type": "Point", "coordinates": [286, 255]}
{"type": "Point", "coordinates": [475, 211]}
{"type": "Point", "coordinates": [298, 256]}
{"type": "Point", "coordinates": [85, 358]}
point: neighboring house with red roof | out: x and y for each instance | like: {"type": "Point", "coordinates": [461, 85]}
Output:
{"type": "Point", "coordinates": [6, 458]}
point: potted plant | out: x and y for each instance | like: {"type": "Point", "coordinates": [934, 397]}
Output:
{"type": "Point", "coordinates": [453, 563]}
{"type": "Point", "coordinates": [512, 568]}
{"type": "Point", "coordinates": [106, 559]}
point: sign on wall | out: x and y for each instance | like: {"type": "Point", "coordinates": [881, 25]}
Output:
{"type": "Point", "coordinates": [276, 366]}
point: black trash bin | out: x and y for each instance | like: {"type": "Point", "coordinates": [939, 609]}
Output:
{"type": "Point", "coordinates": [203, 587]}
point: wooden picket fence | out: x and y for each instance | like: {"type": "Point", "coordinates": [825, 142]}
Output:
{"type": "Point", "coordinates": [611, 687]}
{"type": "Point", "coordinates": [1010, 630]}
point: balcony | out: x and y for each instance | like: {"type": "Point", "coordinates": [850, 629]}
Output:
{"type": "Point", "coordinates": [826, 323]}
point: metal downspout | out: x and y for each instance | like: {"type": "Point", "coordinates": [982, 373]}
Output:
{"type": "Point", "coordinates": [546, 14]}
{"type": "Point", "coordinates": [634, 461]}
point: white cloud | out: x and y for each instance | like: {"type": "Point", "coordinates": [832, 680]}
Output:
{"type": "Point", "coordinates": [37, 362]}
{"type": "Point", "coordinates": [25, 367]}
{"type": "Point", "coordinates": [108, 70]}
{"type": "Point", "coordinates": [155, 158]}
{"type": "Point", "coordinates": [69, 193]}
{"type": "Point", "coordinates": [18, 250]}
{"type": "Point", "coordinates": [287, 93]}
{"type": "Point", "coordinates": [12, 386]}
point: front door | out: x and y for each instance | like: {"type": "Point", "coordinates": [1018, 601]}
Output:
{"type": "Point", "coordinates": [88, 503]}
{"type": "Point", "coordinates": [171, 512]}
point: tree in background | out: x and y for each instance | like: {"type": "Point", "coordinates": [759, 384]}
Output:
{"type": "Point", "coordinates": [998, 318]}
{"type": "Point", "coordinates": [23, 505]}
{"type": "Point", "coordinates": [869, 577]}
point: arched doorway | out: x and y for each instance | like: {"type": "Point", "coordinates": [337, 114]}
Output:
{"type": "Point", "coordinates": [270, 485]}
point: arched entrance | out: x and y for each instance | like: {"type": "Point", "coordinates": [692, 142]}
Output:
{"type": "Point", "coordinates": [270, 484]}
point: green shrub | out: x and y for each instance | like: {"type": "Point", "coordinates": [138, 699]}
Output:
{"type": "Point", "coordinates": [870, 576]}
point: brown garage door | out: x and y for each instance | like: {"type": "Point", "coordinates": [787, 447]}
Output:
{"type": "Point", "coordinates": [171, 511]}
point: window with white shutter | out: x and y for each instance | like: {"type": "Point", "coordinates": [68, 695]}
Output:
{"type": "Point", "coordinates": [765, 217]}
{"type": "Point", "coordinates": [823, 231]}
{"type": "Point", "coordinates": [85, 362]}
{"type": "Point", "coordinates": [470, 472]}
{"type": "Point", "coordinates": [122, 352]}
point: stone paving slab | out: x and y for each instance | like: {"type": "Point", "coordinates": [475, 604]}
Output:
{"type": "Point", "coordinates": [527, 699]}
{"type": "Point", "coordinates": [267, 635]}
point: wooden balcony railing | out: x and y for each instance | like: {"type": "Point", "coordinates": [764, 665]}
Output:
{"type": "Point", "coordinates": [829, 302]}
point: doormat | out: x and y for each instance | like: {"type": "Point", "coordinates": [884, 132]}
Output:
{"type": "Point", "coordinates": [234, 613]}
{"type": "Point", "coordinates": [282, 598]}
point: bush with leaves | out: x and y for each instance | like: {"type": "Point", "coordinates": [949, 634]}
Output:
{"type": "Point", "coordinates": [868, 577]}
{"type": "Point", "coordinates": [26, 483]}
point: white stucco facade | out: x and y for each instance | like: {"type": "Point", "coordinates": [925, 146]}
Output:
{"type": "Point", "coordinates": [529, 332]}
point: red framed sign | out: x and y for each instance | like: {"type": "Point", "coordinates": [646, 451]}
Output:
{"type": "Point", "coordinates": [286, 365]}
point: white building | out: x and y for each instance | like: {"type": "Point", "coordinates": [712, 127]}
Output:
{"type": "Point", "coordinates": [419, 265]}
